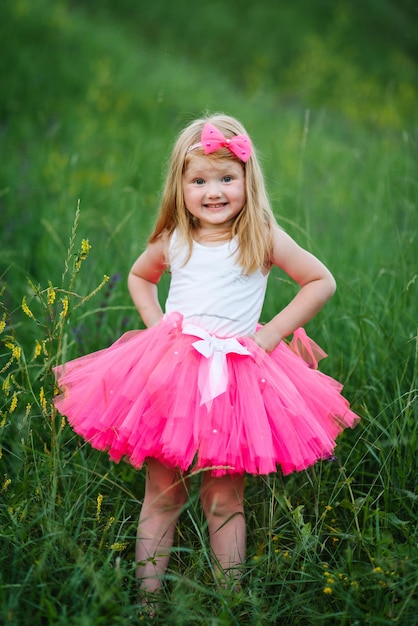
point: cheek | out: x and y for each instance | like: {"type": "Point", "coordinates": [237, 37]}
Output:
{"type": "Point", "coordinates": [191, 196]}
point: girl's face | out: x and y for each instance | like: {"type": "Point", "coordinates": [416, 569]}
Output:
{"type": "Point", "coordinates": [214, 191]}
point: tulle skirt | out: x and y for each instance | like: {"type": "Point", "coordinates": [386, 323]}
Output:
{"type": "Point", "coordinates": [143, 397]}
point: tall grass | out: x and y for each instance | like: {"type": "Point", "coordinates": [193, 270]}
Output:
{"type": "Point", "coordinates": [82, 116]}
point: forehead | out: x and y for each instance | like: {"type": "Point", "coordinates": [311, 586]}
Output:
{"type": "Point", "coordinates": [196, 164]}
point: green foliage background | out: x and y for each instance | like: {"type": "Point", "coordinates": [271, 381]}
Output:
{"type": "Point", "coordinates": [92, 96]}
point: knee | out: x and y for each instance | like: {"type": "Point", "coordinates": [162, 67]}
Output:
{"type": "Point", "coordinates": [219, 502]}
{"type": "Point", "coordinates": [165, 497]}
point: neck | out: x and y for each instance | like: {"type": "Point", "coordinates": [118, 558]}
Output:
{"type": "Point", "coordinates": [212, 237]}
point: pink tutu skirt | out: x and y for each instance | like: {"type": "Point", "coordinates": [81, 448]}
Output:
{"type": "Point", "coordinates": [142, 397]}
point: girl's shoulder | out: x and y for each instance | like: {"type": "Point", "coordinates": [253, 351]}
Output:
{"type": "Point", "coordinates": [158, 248]}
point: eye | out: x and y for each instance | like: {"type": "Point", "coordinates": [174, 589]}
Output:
{"type": "Point", "coordinates": [199, 181]}
{"type": "Point", "coordinates": [227, 178]}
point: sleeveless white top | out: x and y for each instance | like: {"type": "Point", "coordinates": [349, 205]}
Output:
{"type": "Point", "coordinates": [211, 290]}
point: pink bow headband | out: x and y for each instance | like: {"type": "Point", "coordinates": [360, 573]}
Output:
{"type": "Point", "coordinates": [213, 139]}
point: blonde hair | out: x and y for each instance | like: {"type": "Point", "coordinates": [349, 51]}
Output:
{"type": "Point", "coordinates": [252, 226]}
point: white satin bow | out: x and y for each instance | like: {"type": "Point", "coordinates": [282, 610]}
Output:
{"type": "Point", "coordinates": [213, 371]}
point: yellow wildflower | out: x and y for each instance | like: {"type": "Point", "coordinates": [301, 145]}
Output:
{"type": "Point", "coordinates": [62, 426]}
{"type": "Point", "coordinates": [99, 506]}
{"type": "Point", "coordinates": [26, 309]}
{"type": "Point", "coordinates": [378, 570]}
{"type": "Point", "coordinates": [64, 306]}
{"type": "Point", "coordinates": [327, 590]}
{"type": "Point", "coordinates": [118, 547]}
{"type": "Point", "coordinates": [28, 408]}
{"type": "Point", "coordinates": [16, 350]}
{"type": "Point", "coordinates": [51, 293]}
{"type": "Point", "coordinates": [6, 385]}
{"type": "Point", "coordinates": [42, 399]}
{"type": "Point", "coordinates": [3, 323]}
{"type": "Point", "coordinates": [13, 403]}
{"type": "Point", "coordinates": [38, 350]}
{"type": "Point", "coordinates": [85, 247]}
{"type": "Point", "coordinates": [109, 523]}
{"type": "Point", "coordinates": [6, 485]}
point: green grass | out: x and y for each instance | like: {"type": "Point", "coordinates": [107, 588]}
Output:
{"type": "Point", "coordinates": [92, 97]}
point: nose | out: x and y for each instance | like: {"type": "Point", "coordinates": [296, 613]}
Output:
{"type": "Point", "coordinates": [213, 190]}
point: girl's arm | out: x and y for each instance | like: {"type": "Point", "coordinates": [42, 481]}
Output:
{"type": "Point", "coordinates": [143, 278]}
{"type": "Point", "coordinates": [317, 286]}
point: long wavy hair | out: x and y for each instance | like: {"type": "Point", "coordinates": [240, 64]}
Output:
{"type": "Point", "coordinates": [253, 224]}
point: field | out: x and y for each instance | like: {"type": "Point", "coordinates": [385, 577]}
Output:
{"type": "Point", "coordinates": [92, 96]}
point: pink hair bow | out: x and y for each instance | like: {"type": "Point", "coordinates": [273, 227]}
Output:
{"type": "Point", "coordinates": [213, 139]}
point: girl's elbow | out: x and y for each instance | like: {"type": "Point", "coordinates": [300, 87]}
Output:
{"type": "Point", "coordinates": [332, 286]}
{"type": "Point", "coordinates": [130, 280]}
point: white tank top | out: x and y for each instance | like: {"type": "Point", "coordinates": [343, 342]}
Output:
{"type": "Point", "coordinates": [211, 290]}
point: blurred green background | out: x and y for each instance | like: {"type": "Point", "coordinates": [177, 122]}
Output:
{"type": "Point", "coordinates": [93, 93]}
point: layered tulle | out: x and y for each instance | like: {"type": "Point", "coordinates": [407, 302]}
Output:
{"type": "Point", "coordinates": [141, 397]}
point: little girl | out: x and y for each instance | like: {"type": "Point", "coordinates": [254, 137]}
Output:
{"type": "Point", "coordinates": [205, 386]}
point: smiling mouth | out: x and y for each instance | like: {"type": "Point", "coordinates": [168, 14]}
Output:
{"type": "Point", "coordinates": [218, 205]}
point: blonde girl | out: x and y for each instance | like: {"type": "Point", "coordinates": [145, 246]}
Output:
{"type": "Point", "coordinates": [205, 387]}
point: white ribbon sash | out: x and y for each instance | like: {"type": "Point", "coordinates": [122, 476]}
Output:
{"type": "Point", "coordinates": [213, 370]}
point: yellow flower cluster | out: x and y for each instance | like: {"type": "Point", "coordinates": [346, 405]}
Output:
{"type": "Point", "coordinates": [64, 303]}
{"type": "Point", "coordinates": [42, 399]}
{"type": "Point", "coordinates": [13, 403]}
{"type": "Point", "coordinates": [38, 350]}
{"type": "Point", "coordinates": [99, 506]}
{"type": "Point", "coordinates": [26, 309]}
{"type": "Point", "coordinates": [16, 350]}
{"type": "Point", "coordinates": [62, 425]}
{"type": "Point", "coordinates": [16, 353]}
{"type": "Point", "coordinates": [3, 323]}
{"type": "Point", "coordinates": [118, 547]}
{"type": "Point", "coordinates": [6, 385]}
{"type": "Point", "coordinates": [50, 293]}
{"type": "Point", "coordinates": [6, 485]}
{"type": "Point", "coordinates": [329, 581]}
{"type": "Point", "coordinates": [85, 247]}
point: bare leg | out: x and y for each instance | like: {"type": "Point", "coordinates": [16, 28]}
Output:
{"type": "Point", "coordinates": [222, 501]}
{"type": "Point", "coordinates": [165, 495]}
